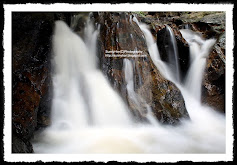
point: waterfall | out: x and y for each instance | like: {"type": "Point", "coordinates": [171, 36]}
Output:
{"type": "Point", "coordinates": [173, 54]}
{"type": "Point", "coordinates": [76, 69]}
{"type": "Point", "coordinates": [88, 116]}
{"type": "Point", "coordinates": [135, 98]}
{"type": "Point", "coordinates": [199, 50]}
{"type": "Point", "coordinates": [154, 53]}
{"type": "Point", "coordinates": [201, 115]}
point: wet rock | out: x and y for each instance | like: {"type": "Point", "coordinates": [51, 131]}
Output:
{"type": "Point", "coordinates": [213, 90]}
{"type": "Point", "coordinates": [212, 25]}
{"type": "Point", "coordinates": [119, 32]}
{"type": "Point", "coordinates": [43, 115]}
{"type": "Point", "coordinates": [65, 16]}
{"type": "Point", "coordinates": [208, 25]}
{"type": "Point", "coordinates": [78, 22]}
{"type": "Point", "coordinates": [164, 45]}
{"type": "Point", "coordinates": [21, 146]}
{"type": "Point", "coordinates": [31, 73]}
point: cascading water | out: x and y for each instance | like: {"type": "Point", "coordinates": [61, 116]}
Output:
{"type": "Point", "coordinates": [88, 116]}
{"type": "Point", "coordinates": [201, 115]}
{"type": "Point", "coordinates": [153, 51]}
{"type": "Point", "coordinates": [173, 55]}
{"type": "Point", "coordinates": [135, 98]}
{"type": "Point", "coordinates": [199, 50]}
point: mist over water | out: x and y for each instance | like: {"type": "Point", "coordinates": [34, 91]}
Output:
{"type": "Point", "coordinates": [88, 116]}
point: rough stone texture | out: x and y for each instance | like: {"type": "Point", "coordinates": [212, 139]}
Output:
{"type": "Point", "coordinates": [78, 22]}
{"type": "Point", "coordinates": [213, 90]}
{"type": "Point", "coordinates": [31, 74]}
{"type": "Point", "coordinates": [208, 25]}
{"type": "Point", "coordinates": [207, 17]}
{"type": "Point", "coordinates": [212, 25]}
{"type": "Point", "coordinates": [163, 43]}
{"type": "Point", "coordinates": [21, 146]}
{"type": "Point", "coordinates": [162, 95]}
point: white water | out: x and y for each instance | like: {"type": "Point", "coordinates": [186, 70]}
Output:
{"type": "Point", "coordinates": [173, 55]}
{"type": "Point", "coordinates": [199, 51]}
{"type": "Point", "coordinates": [89, 117]}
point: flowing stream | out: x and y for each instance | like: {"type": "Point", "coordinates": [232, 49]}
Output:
{"type": "Point", "coordinates": [88, 116]}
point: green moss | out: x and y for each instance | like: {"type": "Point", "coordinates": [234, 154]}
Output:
{"type": "Point", "coordinates": [140, 13]}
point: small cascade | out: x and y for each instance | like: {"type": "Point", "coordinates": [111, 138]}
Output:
{"type": "Point", "coordinates": [135, 98]}
{"type": "Point", "coordinates": [80, 70]}
{"type": "Point", "coordinates": [154, 53]}
{"type": "Point", "coordinates": [199, 51]}
{"type": "Point", "coordinates": [74, 21]}
{"type": "Point", "coordinates": [173, 55]}
{"type": "Point", "coordinates": [201, 116]}
{"type": "Point", "coordinates": [78, 101]}
{"type": "Point", "coordinates": [91, 39]}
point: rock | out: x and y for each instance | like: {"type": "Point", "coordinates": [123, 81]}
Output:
{"type": "Point", "coordinates": [213, 90]}
{"type": "Point", "coordinates": [21, 146]}
{"type": "Point", "coordinates": [208, 25]}
{"type": "Point", "coordinates": [119, 32]}
{"type": "Point", "coordinates": [207, 17]}
{"type": "Point", "coordinates": [43, 115]}
{"type": "Point", "coordinates": [64, 16]}
{"type": "Point", "coordinates": [78, 23]}
{"type": "Point", "coordinates": [164, 43]}
{"type": "Point", "coordinates": [212, 25]}
{"type": "Point", "coordinates": [31, 73]}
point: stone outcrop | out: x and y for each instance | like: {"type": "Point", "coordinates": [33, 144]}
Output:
{"type": "Point", "coordinates": [119, 32]}
{"type": "Point", "coordinates": [30, 75]}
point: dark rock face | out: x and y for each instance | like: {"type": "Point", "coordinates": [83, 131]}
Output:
{"type": "Point", "coordinates": [31, 75]}
{"type": "Point", "coordinates": [164, 45]}
{"type": "Point", "coordinates": [213, 90]}
{"type": "Point", "coordinates": [162, 95]}
{"type": "Point", "coordinates": [20, 145]}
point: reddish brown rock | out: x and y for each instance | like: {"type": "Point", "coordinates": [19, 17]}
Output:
{"type": "Point", "coordinates": [119, 32]}
{"type": "Point", "coordinates": [31, 74]}
{"type": "Point", "coordinates": [213, 91]}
